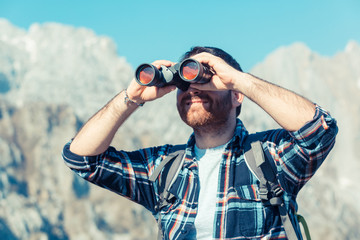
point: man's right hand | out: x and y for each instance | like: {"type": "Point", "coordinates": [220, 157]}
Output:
{"type": "Point", "coordinates": [141, 94]}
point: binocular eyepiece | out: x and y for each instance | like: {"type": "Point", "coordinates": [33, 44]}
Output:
{"type": "Point", "coordinates": [181, 74]}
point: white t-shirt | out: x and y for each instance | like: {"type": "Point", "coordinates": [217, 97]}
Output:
{"type": "Point", "coordinates": [209, 167]}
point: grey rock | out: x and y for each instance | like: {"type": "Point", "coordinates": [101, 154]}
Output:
{"type": "Point", "coordinates": [54, 77]}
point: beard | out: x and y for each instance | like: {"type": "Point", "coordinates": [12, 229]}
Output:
{"type": "Point", "coordinates": [214, 113]}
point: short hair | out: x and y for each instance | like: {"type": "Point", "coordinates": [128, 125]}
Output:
{"type": "Point", "coordinates": [219, 53]}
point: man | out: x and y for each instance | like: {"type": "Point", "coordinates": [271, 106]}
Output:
{"type": "Point", "coordinates": [216, 194]}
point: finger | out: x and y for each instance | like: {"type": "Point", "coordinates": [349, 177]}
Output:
{"type": "Point", "coordinates": [166, 63]}
{"type": "Point", "coordinates": [135, 84]}
{"type": "Point", "coordinates": [215, 84]}
{"type": "Point", "coordinates": [206, 58]}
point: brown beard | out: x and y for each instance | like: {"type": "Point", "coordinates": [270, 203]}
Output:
{"type": "Point", "coordinates": [216, 113]}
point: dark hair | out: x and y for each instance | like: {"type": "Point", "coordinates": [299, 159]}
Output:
{"type": "Point", "coordinates": [216, 52]}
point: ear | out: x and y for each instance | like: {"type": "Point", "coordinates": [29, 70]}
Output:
{"type": "Point", "coordinates": [237, 98]}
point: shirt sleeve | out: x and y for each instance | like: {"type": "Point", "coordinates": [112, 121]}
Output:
{"type": "Point", "coordinates": [125, 173]}
{"type": "Point", "coordinates": [299, 154]}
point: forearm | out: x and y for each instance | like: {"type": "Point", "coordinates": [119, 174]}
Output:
{"type": "Point", "coordinates": [290, 110]}
{"type": "Point", "coordinates": [96, 135]}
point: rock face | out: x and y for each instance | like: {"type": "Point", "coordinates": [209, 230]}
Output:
{"type": "Point", "coordinates": [333, 82]}
{"type": "Point", "coordinates": [54, 77]}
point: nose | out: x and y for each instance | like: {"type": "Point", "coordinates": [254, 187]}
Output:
{"type": "Point", "coordinates": [193, 91]}
{"type": "Point", "coordinates": [189, 92]}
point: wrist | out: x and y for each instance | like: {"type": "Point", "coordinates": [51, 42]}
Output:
{"type": "Point", "coordinates": [118, 104]}
{"type": "Point", "coordinates": [240, 82]}
{"type": "Point", "coordinates": [129, 100]}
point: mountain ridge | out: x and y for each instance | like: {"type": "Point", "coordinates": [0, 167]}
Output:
{"type": "Point", "coordinates": [53, 77]}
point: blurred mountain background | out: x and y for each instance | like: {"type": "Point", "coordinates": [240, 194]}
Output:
{"type": "Point", "coordinates": [53, 77]}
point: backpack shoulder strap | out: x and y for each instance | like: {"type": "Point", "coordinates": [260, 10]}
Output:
{"type": "Point", "coordinates": [270, 189]}
{"type": "Point", "coordinates": [170, 166]}
{"type": "Point", "coordinates": [176, 151]}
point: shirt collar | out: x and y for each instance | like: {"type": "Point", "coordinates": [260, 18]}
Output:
{"type": "Point", "coordinates": [237, 140]}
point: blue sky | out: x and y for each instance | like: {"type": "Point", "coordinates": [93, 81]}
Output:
{"type": "Point", "coordinates": [249, 30]}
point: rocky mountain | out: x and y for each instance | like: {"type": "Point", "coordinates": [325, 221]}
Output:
{"type": "Point", "coordinates": [332, 82]}
{"type": "Point", "coordinates": [54, 77]}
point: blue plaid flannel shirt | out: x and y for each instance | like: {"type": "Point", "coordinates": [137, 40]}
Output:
{"type": "Point", "coordinates": [240, 214]}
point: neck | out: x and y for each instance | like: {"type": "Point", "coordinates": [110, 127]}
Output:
{"type": "Point", "coordinates": [211, 136]}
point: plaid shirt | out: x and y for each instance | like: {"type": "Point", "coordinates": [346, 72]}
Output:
{"type": "Point", "coordinates": [240, 214]}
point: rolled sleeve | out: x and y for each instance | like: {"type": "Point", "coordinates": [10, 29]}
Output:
{"type": "Point", "coordinates": [313, 131]}
{"type": "Point", "coordinates": [75, 161]}
{"type": "Point", "coordinates": [298, 155]}
{"type": "Point", "coordinates": [125, 173]}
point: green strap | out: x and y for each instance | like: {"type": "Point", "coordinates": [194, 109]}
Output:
{"type": "Point", "coordinates": [301, 220]}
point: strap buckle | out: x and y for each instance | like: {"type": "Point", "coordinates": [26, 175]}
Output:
{"type": "Point", "coordinates": [277, 191]}
{"type": "Point", "coordinates": [263, 192]}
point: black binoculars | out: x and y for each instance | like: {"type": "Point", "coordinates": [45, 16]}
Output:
{"type": "Point", "coordinates": [181, 74]}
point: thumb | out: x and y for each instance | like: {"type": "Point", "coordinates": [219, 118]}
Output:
{"type": "Point", "coordinates": [165, 90]}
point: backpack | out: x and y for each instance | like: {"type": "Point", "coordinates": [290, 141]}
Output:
{"type": "Point", "coordinates": [269, 191]}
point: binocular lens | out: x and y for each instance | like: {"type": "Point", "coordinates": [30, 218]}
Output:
{"type": "Point", "coordinates": [190, 70]}
{"type": "Point", "coordinates": [146, 74]}
{"type": "Point", "coordinates": [181, 74]}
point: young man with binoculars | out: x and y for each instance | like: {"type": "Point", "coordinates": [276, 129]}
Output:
{"type": "Point", "coordinates": [216, 195]}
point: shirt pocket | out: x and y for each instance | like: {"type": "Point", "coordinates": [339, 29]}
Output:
{"type": "Point", "coordinates": [247, 214]}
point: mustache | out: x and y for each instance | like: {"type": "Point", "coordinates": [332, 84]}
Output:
{"type": "Point", "coordinates": [202, 96]}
